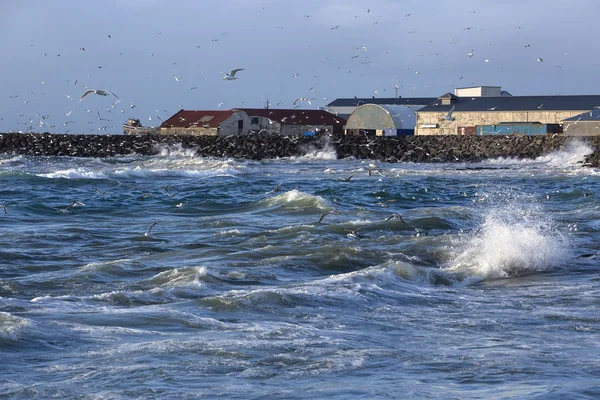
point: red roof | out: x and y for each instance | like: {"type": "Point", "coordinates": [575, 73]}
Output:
{"type": "Point", "coordinates": [197, 118]}
{"type": "Point", "coordinates": [295, 116]}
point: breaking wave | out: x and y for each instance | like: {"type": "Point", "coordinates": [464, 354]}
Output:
{"type": "Point", "coordinates": [512, 239]}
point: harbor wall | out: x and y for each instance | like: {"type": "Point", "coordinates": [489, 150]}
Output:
{"type": "Point", "coordinates": [382, 148]}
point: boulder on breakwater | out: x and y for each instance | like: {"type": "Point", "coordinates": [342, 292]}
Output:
{"type": "Point", "coordinates": [257, 147]}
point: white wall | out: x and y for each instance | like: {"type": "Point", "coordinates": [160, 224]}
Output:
{"type": "Point", "coordinates": [230, 125]}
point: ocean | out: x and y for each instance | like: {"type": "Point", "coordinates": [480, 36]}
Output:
{"type": "Point", "coordinates": [180, 277]}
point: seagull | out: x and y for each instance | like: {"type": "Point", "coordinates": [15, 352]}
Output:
{"type": "Point", "coordinates": [100, 92]}
{"type": "Point", "coordinates": [231, 75]}
{"type": "Point", "coordinates": [342, 179]}
{"type": "Point", "coordinates": [331, 212]}
{"type": "Point", "coordinates": [142, 197]}
{"type": "Point", "coordinates": [171, 195]}
{"type": "Point", "coordinates": [355, 234]}
{"type": "Point", "coordinates": [302, 99]}
{"type": "Point", "coordinates": [449, 117]}
{"type": "Point", "coordinates": [386, 204]}
{"type": "Point", "coordinates": [540, 60]}
{"type": "Point", "coordinates": [4, 207]}
{"type": "Point", "coordinates": [277, 188]}
{"type": "Point", "coordinates": [395, 216]}
{"type": "Point", "coordinates": [74, 204]}
{"type": "Point", "coordinates": [150, 229]}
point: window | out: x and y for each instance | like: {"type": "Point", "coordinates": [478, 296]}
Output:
{"type": "Point", "coordinates": [254, 120]}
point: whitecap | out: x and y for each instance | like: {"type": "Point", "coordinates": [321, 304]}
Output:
{"type": "Point", "coordinates": [74, 173]}
{"type": "Point", "coordinates": [514, 238]}
{"type": "Point", "coordinates": [175, 150]}
{"type": "Point", "coordinates": [296, 198]}
{"type": "Point", "coordinates": [12, 327]}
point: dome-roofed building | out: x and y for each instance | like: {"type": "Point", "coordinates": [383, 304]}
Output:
{"type": "Point", "coordinates": [343, 107]}
{"type": "Point", "coordinates": [381, 120]}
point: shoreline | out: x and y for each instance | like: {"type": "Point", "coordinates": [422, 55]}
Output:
{"type": "Point", "coordinates": [381, 148]}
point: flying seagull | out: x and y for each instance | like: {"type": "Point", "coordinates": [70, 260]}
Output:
{"type": "Point", "coordinates": [302, 99]}
{"type": "Point", "coordinates": [330, 212]}
{"type": "Point", "coordinates": [231, 75]}
{"type": "Point", "coordinates": [395, 216]}
{"type": "Point", "coordinates": [449, 117]}
{"type": "Point", "coordinates": [100, 92]}
{"type": "Point", "coordinates": [150, 229]}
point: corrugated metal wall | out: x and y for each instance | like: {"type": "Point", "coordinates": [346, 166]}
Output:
{"type": "Point", "coordinates": [517, 129]}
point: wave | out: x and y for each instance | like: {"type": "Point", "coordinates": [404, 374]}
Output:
{"type": "Point", "coordinates": [297, 199]}
{"type": "Point", "coordinates": [181, 166]}
{"type": "Point", "coordinates": [74, 173]}
{"type": "Point", "coordinates": [12, 327]}
{"type": "Point", "coordinates": [176, 150]}
{"type": "Point", "coordinates": [325, 154]}
{"type": "Point", "coordinates": [572, 155]}
{"type": "Point", "coordinates": [171, 285]}
{"type": "Point", "coordinates": [326, 151]}
{"type": "Point", "coordinates": [513, 238]}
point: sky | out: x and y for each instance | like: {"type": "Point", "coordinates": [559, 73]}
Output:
{"type": "Point", "coordinates": [160, 56]}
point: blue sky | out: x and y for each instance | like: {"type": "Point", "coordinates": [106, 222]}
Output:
{"type": "Point", "coordinates": [162, 55]}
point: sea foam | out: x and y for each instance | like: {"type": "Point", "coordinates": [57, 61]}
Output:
{"type": "Point", "coordinates": [512, 239]}
{"type": "Point", "coordinates": [11, 327]}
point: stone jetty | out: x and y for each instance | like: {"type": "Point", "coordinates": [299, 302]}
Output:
{"type": "Point", "coordinates": [256, 147]}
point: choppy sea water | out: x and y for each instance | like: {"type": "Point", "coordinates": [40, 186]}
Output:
{"type": "Point", "coordinates": [175, 276]}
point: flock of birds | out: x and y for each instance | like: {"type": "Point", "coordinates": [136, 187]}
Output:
{"type": "Point", "coordinates": [362, 60]}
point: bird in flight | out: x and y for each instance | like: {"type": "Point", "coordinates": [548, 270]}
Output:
{"type": "Point", "coordinates": [302, 99]}
{"type": "Point", "coordinates": [395, 216]}
{"type": "Point", "coordinates": [330, 212]}
{"type": "Point", "coordinates": [99, 92]}
{"type": "Point", "coordinates": [150, 229]}
{"type": "Point", "coordinates": [231, 75]}
{"type": "Point", "coordinates": [449, 117]}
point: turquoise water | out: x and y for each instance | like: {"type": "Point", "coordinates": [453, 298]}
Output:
{"type": "Point", "coordinates": [175, 276]}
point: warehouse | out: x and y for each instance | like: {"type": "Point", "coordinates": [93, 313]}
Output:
{"type": "Point", "coordinates": [381, 120]}
{"type": "Point", "coordinates": [289, 122]}
{"type": "Point", "coordinates": [211, 123]}
{"type": "Point", "coordinates": [462, 115]}
{"type": "Point", "coordinates": [585, 124]}
{"type": "Point", "coordinates": [345, 106]}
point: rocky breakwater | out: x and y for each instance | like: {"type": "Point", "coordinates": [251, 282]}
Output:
{"type": "Point", "coordinates": [462, 148]}
{"type": "Point", "coordinates": [248, 147]}
{"type": "Point", "coordinates": [391, 148]}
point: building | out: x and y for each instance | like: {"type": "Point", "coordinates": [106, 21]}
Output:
{"type": "Point", "coordinates": [344, 107]}
{"type": "Point", "coordinates": [292, 121]}
{"type": "Point", "coordinates": [481, 91]}
{"type": "Point", "coordinates": [467, 115]}
{"type": "Point", "coordinates": [133, 126]}
{"type": "Point", "coordinates": [211, 123]}
{"type": "Point", "coordinates": [381, 120]}
{"type": "Point", "coordinates": [585, 124]}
